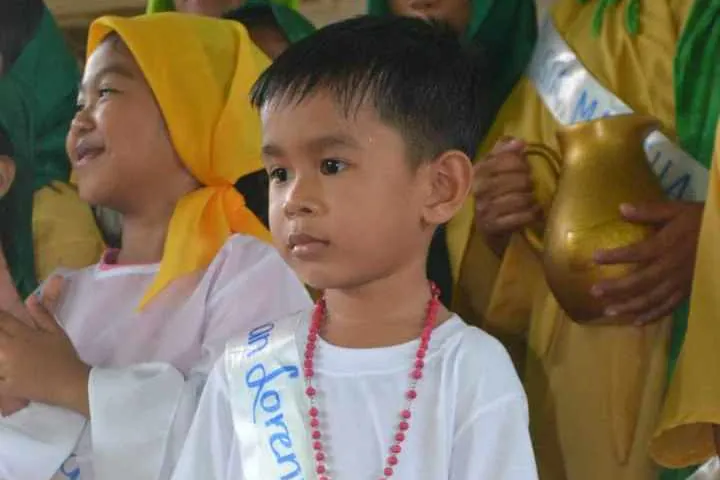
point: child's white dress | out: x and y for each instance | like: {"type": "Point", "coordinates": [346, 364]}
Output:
{"type": "Point", "coordinates": [149, 367]}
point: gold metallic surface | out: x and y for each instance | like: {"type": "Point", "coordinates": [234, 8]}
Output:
{"type": "Point", "coordinates": [601, 166]}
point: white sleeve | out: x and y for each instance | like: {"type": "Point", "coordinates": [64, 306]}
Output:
{"type": "Point", "coordinates": [212, 451]}
{"type": "Point", "coordinates": [140, 415]}
{"type": "Point", "coordinates": [495, 443]}
{"type": "Point", "coordinates": [36, 440]}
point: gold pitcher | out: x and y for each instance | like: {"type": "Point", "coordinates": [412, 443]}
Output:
{"type": "Point", "coordinates": [603, 166]}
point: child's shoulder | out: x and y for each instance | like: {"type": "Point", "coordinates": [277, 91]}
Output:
{"type": "Point", "coordinates": [255, 268]}
{"type": "Point", "coordinates": [246, 254]}
{"type": "Point", "coordinates": [483, 364]}
{"type": "Point", "coordinates": [245, 247]}
{"type": "Point", "coordinates": [476, 346]}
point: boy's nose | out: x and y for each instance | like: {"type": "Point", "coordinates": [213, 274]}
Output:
{"type": "Point", "coordinates": [302, 200]}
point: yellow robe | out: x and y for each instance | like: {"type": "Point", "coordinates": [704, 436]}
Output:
{"type": "Point", "coordinates": [64, 231]}
{"type": "Point", "coordinates": [685, 435]}
{"type": "Point", "coordinates": [594, 391]}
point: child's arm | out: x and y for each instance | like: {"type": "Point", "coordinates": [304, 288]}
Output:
{"type": "Point", "coordinates": [145, 411]}
{"type": "Point", "coordinates": [211, 451]}
{"type": "Point", "coordinates": [140, 414]}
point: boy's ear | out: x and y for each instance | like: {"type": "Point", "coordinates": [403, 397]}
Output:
{"type": "Point", "coordinates": [7, 174]}
{"type": "Point", "coordinates": [449, 182]}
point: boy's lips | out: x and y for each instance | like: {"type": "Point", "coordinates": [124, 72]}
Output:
{"type": "Point", "coordinates": [305, 246]}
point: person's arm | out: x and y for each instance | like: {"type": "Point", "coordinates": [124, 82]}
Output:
{"type": "Point", "coordinates": [140, 415]}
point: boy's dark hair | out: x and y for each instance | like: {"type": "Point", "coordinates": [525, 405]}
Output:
{"type": "Point", "coordinates": [18, 21]}
{"type": "Point", "coordinates": [418, 76]}
{"type": "Point", "coordinates": [259, 16]}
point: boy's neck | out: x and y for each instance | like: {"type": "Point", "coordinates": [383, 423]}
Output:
{"type": "Point", "coordinates": [381, 313]}
{"type": "Point", "coordinates": [143, 240]}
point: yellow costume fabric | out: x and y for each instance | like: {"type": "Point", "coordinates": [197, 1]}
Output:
{"type": "Point", "coordinates": [202, 88]}
{"type": "Point", "coordinates": [64, 231]}
{"type": "Point", "coordinates": [685, 435]}
{"type": "Point", "coordinates": [594, 391]}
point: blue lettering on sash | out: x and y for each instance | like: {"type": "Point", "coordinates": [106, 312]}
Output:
{"type": "Point", "coordinates": [72, 474]}
{"type": "Point", "coordinates": [585, 107]}
{"type": "Point", "coordinates": [268, 401]}
{"type": "Point", "coordinates": [675, 187]}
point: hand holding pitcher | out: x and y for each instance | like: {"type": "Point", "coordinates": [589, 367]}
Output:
{"type": "Point", "coordinates": [504, 194]}
{"type": "Point", "coordinates": [601, 165]}
{"type": "Point", "coordinates": [666, 259]}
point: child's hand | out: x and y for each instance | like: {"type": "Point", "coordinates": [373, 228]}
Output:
{"type": "Point", "coordinates": [40, 363]}
{"type": "Point", "coordinates": [10, 302]}
{"type": "Point", "coordinates": [9, 405]}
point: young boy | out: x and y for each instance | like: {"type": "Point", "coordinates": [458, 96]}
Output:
{"type": "Point", "coordinates": [160, 139]}
{"type": "Point", "coordinates": [369, 126]}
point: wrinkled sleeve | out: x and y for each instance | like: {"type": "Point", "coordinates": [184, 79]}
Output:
{"type": "Point", "coordinates": [140, 415]}
{"type": "Point", "coordinates": [212, 451]}
{"type": "Point", "coordinates": [692, 406]}
{"type": "Point", "coordinates": [500, 290]}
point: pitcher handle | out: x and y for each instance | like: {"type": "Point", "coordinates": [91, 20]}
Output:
{"type": "Point", "coordinates": [554, 161]}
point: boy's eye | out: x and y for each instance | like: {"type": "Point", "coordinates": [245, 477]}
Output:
{"type": "Point", "coordinates": [278, 175]}
{"type": "Point", "coordinates": [332, 166]}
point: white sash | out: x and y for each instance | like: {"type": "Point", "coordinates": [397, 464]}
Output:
{"type": "Point", "coordinates": [573, 95]}
{"type": "Point", "coordinates": [270, 409]}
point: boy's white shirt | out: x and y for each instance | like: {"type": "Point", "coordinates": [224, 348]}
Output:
{"type": "Point", "coordinates": [469, 422]}
{"type": "Point", "coordinates": [149, 368]}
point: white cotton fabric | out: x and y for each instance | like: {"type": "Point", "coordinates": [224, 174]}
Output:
{"type": "Point", "coordinates": [469, 422]}
{"type": "Point", "coordinates": [149, 367]}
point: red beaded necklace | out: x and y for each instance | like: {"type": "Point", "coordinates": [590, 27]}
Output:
{"type": "Point", "coordinates": [319, 314]}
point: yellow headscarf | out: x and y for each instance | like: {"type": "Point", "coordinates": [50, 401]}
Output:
{"type": "Point", "coordinates": [202, 88]}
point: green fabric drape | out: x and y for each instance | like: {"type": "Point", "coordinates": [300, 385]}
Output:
{"type": "Point", "coordinates": [696, 72]}
{"type": "Point", "coordinates": [505, 29]}
{"type": "Point", "coordinates": [37, 102]}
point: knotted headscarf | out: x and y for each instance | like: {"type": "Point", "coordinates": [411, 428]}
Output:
{"type": "Point", "coordinates": [202, 90]}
